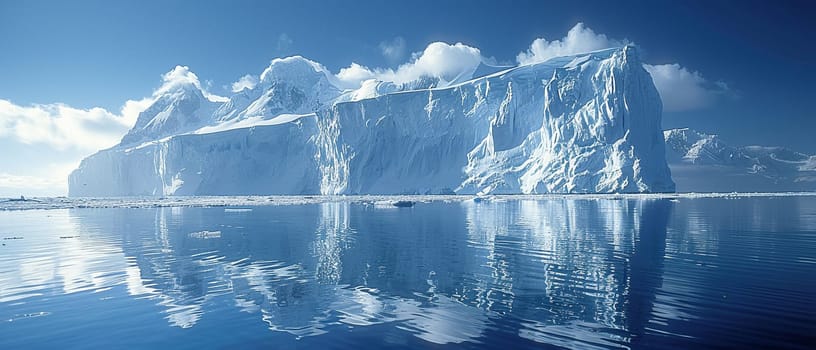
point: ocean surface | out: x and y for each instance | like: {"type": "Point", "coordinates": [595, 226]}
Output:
{"type": "Point", "coordinates": [510, 274]}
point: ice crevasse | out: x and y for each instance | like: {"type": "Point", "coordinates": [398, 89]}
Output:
{"type": "Point", "coordinates": [588, 123]}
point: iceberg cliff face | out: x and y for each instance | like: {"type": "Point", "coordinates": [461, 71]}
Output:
{"type": "Point", "coordinates": [578, 124]}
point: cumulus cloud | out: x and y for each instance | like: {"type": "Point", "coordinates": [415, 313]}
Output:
{"type": "Point", "coordinates": [353, 75]}
{"type": "Point", "coordinates": [246, 82]}
{"type": "Point", "coordinates": [393, 50]}
{"type": "Point", "coordinates": [682, 89]}
{"type": "Point", "coordinates": [64, 127]}
{"type": "Point", "coordinates": [579, 39]}
{"type": "Point", "coordinates": [440, 60]}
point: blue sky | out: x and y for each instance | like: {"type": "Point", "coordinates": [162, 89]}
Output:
{"type": "Point", "coordinates": [742, 69]}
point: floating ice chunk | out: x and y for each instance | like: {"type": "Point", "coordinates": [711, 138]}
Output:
{"type": "Point", "coordinates": [205, 234]}
{"type": "Point", "coordinates": [237, 210]}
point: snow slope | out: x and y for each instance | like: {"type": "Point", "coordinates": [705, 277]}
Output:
{"type": "Point", "coordinates": [704, 163]}
{"type": "Point", "coordinates": [181, 109]}
{"type": "Point", "coordinates": [588, 123]}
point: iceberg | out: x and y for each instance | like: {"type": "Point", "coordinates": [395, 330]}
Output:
{"type": "Point", "coordinates": [588, 123]}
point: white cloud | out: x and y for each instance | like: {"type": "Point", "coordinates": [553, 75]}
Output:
{"type": "Point", "coordinates": [64, 127]}
{"type": "Point", "coordinates": [353, 75]}
{"type": "Point", "coordinates": [579, 39]}
{"type": "Point", "coordinates": [682, 89]}
{"type": "Point", "coordinates": [440, 60]}
{"type": "Point", "coordinates": [393, 50]}
{"type": "Point", "coordinates": [679, 88]}
{"type": "Point", "coordinates": [246, 82]}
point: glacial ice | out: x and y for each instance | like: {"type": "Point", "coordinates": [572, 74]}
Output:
{"type": "Point", "coordinates": [587, 123]}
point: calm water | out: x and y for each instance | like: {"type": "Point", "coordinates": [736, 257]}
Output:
{"type": "Point", "coordinates": [516, 274]}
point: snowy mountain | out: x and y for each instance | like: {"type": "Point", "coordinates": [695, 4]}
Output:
{"type": "Point", "coordinates": [704, 163]}
{"type": "Point", "coordinates": [576, 124]}
{"type": "Point", "coordinates": [181, 109]}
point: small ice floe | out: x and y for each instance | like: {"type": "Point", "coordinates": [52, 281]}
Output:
{"type": "Point", "coordinates": [28, 315]}
{"type": "Point", "coordinates": [237, 210]}
{"type": "Point", "coordinates": [403, 204]}
{"type": "Point", "coordinates": [482, 198]}
{"type": "Point", "coordinates": [22, 199]}
{"type": "Point", "coordinates": [391, 204]}
{"type": "Point", "coordinates": [205, 234]}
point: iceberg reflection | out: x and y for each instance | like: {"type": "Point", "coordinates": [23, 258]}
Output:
{"type": "Point", "coordinates": [573, 273]}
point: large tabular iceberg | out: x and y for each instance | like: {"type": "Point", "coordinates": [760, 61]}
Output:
{"type": "Point", "coordinates": [579, 124]}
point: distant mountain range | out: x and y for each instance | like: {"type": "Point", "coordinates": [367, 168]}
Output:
{"type": "Point", "coordinates": [705, 163]}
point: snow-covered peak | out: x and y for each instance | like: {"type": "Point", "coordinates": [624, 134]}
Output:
{"type": "Point", "coordinates": [708, 151]}
{"type": "Point", "coordinates": [291, 85]}
{"type": "Point", "coordinates": [691, 146]}
{"type": "Point", "coordinates": [704, 162]}
{"type": "Point", "coordinates": [182, 79]}
{"type": "Point", "coordinates": [178, 78]}
{"type": "Point", "coordinates": [179, 105]}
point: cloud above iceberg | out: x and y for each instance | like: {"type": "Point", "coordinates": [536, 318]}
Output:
{"type": "Point", "coordinates": [353, 75]}
{"type": "Point", "coordinates": [680, 88]}
{"type": "Point", "coordinates": [579, 39]}
{"type": "Point", "coordinates": [448, 62]}
{"type": "Point", "coordinates": [246, 82]}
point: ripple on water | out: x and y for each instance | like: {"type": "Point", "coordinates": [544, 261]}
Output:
{"type": "Point", "coordinates": [513, 273]}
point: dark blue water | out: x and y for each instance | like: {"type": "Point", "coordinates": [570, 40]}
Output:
{"type": "Point", "coordinates": [702, 273]}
